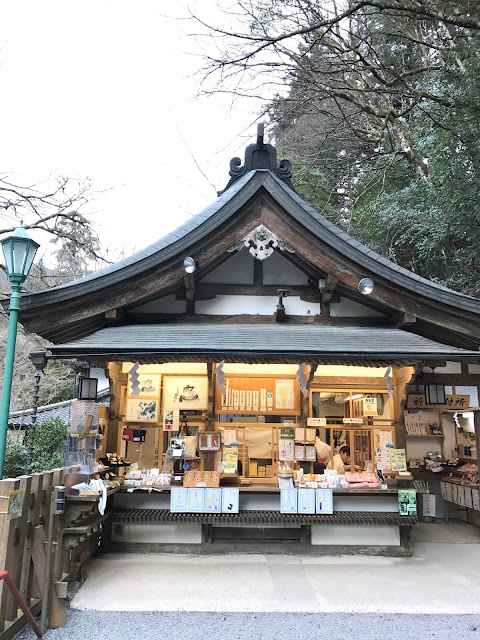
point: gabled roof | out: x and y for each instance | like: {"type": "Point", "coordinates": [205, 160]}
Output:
{"type": "Point", "coordinates": [231, 200]}
{"type": "Point", "coordinates": [256, 191]}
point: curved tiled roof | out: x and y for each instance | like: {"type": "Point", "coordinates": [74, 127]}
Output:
{"type": "Point", "coordinates": [231, 200]}
{"type": "Point", "coordinates": [313, 339]}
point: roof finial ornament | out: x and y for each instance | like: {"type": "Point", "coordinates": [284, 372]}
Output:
{"type": "Point", "coordinates": [260, 156]}
{"type": "Point", "coordinates": [260, 133]}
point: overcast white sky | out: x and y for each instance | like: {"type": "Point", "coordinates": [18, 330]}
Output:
{"type": "Point", "coordinates": [105, 89]}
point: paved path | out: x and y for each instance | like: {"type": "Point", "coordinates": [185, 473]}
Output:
{"type": "Point", "coordinates": [442, 577]}
{"type": "Point", "coordinates": [434, 594]}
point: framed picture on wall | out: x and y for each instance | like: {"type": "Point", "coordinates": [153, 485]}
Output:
{"type": "Point", "coordinates": [142, 410]}
{"type": "Point", "coordinates": [209, 441]}
{"type": "Point", "coordinates": [185, 393]}
{"type": "Point", "coordinates": [148, 385]}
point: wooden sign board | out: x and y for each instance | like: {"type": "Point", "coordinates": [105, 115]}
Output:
{"type": "Point", "coordinates": [259, 395]}
{"type": "Point", "coordinates": [451, 402]}
{"type": "Point", "coordinates": [316, 422]}
{"type": "Point", "coordinates": [200, 479]}
{"type": "Point", "coordinates": [370, 406]}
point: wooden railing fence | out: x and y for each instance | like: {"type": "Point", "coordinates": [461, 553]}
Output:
{"type": "Point", "coordinates": [23, 550]}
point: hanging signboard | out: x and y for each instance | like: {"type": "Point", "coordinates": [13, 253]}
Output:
{"type": "Point", "coordinates": [178, 500]}
{"type": "Point", "coordinates": [15, 504]}
{"type": "Point", "coordinates": [284, 394]}
{"type": "Point", "coordinates": [451, 402]}
{"type": "Point", "coordinates": [353, 421]}
{"type": "Point", "coordinates": [475, 499]}
{"type": "Point", "coordinates": [286, 450]}
{"type": "Point", "coordinates": [370, 406]}
{"type": "Point", "coordinates": [306, 501]}
{"type": "Point", "coordinates": [230, 460]}
{"type": "Point", "coordinates": [316, 422]}
{"type": "Point", "coordinates": [287, 433]}
{"type": "Point", "coordinates": [288, 501]}
{"type": "Point", "coordinates": [245, 395]}
{"type": "Point", "coordinates": [230, 500]}
{"type": "Point", "coordinates": [324, 501]}
{"type": "Point", "coordinates": [398, 460]}
{"type": "Point", "coordinates": [213, 501]}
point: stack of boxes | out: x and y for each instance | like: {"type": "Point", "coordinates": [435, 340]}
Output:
{"type": "Point", "coordinates": [303, 449]}
{"type": "Point", "coordinates": [259, 470]}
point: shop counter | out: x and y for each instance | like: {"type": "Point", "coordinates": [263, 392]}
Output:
{"type": "Point", "coordinates": [364, 520]}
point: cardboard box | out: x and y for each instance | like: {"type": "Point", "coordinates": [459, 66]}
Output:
{"type": "Point", "coordinates": [310, 453]}
{"type": "Point", "coordinates": [299, 452]}
{"type": "Point", "coordinates": [253, 468]}
{"type": "Point", "coordinates": [269, 470]}
{"type": "Point", "coordinates": [262, 471]}
{"type": "Point", "coordinates": [299, 434]}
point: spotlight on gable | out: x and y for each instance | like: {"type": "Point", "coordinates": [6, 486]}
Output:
{"type": "Point", "coordinates": [190, 265]}
{"type": "Point", "coordinates": [366, 286]}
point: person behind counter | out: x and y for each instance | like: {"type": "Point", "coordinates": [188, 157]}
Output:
{"type": "Point", "coordinates": [323, 454]}
{"type": "Point", "coordinates": [341, 462]}
{"type": "Point", "coordinates": [339, 439]}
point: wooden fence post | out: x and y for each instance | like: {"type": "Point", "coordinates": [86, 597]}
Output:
{"type": "Point", "coordinates": [7, 551]}
{"type": "Point", "coordinates": [33, 507]}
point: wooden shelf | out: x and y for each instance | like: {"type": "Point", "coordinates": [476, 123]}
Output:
{"type": "Point", "coordinates": [427, 435]}
{"type": "Point", "coordinates": [87, 528]}
{"type": "Point", "coordinates": [91, 498]}
{"type": "Point", "coordinates": [255, 424]}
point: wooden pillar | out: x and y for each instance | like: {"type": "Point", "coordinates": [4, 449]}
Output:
{"type": "Point", "coordinates": [401, 377]}
{"type": "Point", "coordinates": [209, 458]}
{"type": "Point", "coordinates": [476, 422]}
{"type": "Point", "coordinates": [117, 380]}
{"type": "Point", "coordinates": [305, 400]}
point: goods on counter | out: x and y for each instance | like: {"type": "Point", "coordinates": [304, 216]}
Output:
{"type": "Point", "coordinates": [331, 480]}
{"type": "Point", "coordinates": [362, 480]}
{"type": "Point", "coordinates": [115, 459]}
{"type": "Point", "coordinates": [146, 478]}
{"type": "Point", "coordinates": [468, 468]}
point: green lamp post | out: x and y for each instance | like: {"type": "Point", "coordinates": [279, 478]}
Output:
{"type": "Point", "coordinates": [19, 251]}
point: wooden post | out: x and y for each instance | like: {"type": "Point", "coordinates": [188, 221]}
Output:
{"type": "Point", "coordinates": [20, 526]}
{"type": "Point", "coordinates": [32, 504]}
{"type": "Point", "coordinates": [117, 380]}
{"type": "Point", "coordinates": [305, 400]}
{"type": "Point", "coordinates": [209, 458]}
{"type": "Point", "coordinates": [56, 610]}
{"type": "Point", "coordinates": [401, 377]}
{"type": "Point", "coordinates": [58, 530]}
{"type": "Point", "coordinates": [7, 543]}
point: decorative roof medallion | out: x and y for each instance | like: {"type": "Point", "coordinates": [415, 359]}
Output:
{"type": "Point", "coordinates": [261, 242]}
{"type": "Point", "coordinates": [260, 156]}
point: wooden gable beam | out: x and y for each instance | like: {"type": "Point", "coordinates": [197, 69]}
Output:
{"type": "Point", "coordinates": [189, 282]}
{"type": "Point", "coordinates": [404, 319]}
{"type": "Point", "coordinates": [327, 293]}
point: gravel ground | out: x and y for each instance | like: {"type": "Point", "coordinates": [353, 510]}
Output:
{"type": "Point", "coordinates": [106, 625]}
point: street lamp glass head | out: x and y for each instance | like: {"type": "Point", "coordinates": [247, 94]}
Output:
{"type": "Point", "coordinates": [19, 251]}
{"type": "Point", "coordinates": [189, 265]}
{"type": "Point", "coordinates": [366, 286]}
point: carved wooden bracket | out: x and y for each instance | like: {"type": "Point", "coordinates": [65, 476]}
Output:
{"type": "Point", "coordinates": [261, 242]}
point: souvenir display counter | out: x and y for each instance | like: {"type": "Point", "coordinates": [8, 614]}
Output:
{"type": "Point", "coordinates": [298, 468]}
